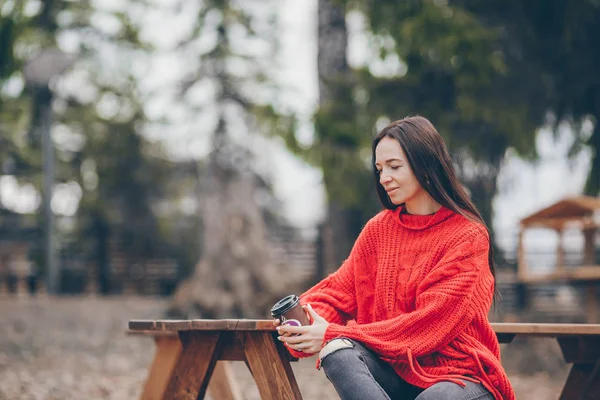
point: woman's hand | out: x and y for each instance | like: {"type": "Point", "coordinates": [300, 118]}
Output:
{"type": "Point", "coordinates": [308, 339]}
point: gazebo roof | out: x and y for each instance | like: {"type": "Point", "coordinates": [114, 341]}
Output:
{"type": "Point", "coordinates": [572, 209]}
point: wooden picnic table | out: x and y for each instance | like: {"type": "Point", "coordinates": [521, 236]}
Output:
{"type": "Point", "coordinates": [204, 342]}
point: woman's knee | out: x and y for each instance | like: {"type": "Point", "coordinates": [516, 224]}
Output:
{"type": "Point", "coordinates": [449, 390]}
{"type": "Point", "coordinates": [333, 347]}
{"type": "Point", "coordinates": [339, 360]}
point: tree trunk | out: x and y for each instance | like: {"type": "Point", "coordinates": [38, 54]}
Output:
{"type": "Point", "coordinates": [332, 68]}
{"type": "Point", "coordinates": [332, 42]}
{"type": "Point", "coordinates": [592, 186]}
{"type": "Point", "coordinates": [235, 276]}
{"type": "Point", "coordinates": [482, 183]}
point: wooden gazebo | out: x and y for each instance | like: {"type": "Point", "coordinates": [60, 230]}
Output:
{"type": "Point", "coordinates": [581, 212]}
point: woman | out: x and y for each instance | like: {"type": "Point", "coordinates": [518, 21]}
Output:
{"type": "Point", "coordinates": [405, 316]}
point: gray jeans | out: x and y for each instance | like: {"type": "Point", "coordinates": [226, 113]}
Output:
{"type": "Point", "coordinates": [358, 373]}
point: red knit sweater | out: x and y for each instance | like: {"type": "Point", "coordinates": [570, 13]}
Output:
{"type": "Point", "coordinates": [417, 291]}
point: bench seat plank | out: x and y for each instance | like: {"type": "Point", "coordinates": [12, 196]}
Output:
{"type": "Point", "coordinates": [551, 330]}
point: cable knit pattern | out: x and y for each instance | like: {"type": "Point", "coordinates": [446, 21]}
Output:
{"type": "Point", "coordinates": [417, 291]}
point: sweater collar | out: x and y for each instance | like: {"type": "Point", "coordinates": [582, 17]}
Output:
{"type": "Point", "coordinates": [420, 222]}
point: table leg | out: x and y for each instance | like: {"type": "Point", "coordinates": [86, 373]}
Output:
{"type": "Point", "coordinates": [194, 367]}
{"type": "Point", "coordinates": [222, 385]}
{"type": "Point", "coordinates": [592, 391]}
{"type": "Point", "coordinates": [576, 382]}
{"type": "Point", "coordinates": [168, 349]}
{"type": "Point", "coordinates": [270, 367]}
{"type": "Point", "coordinates": [583, 382]}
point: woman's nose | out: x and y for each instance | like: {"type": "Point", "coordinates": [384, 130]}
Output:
{"type": "Point", "coordinates": [383, 178]}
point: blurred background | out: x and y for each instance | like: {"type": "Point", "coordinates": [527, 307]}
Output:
{"type": "Point", "coordinates": [201, 159]}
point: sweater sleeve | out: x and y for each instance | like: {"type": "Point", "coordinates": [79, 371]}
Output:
{"type": "Point", "coordinates": [334, 298]}
{"type": "Point", "coordinates": [446, 301]}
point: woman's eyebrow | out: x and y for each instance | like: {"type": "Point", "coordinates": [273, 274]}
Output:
{"type": "Point", "coordinates": [390, 160]}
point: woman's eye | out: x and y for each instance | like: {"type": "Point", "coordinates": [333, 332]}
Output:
{"type": "Point", "coordinates": [395, 167]}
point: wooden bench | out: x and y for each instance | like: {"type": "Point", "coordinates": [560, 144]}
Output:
{"type": "Point", "coordinates": [580, 345]}
{"type": "Point", "coordinates": [204, 342]}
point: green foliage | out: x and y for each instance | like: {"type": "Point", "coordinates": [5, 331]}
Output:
{"type": "Point", "coordinates": [457, 76]}
{"type": "Point", "coordinates": [558, 43]}
{"type": "Point", "coordinates": [454, 71]}
{"type": "Point", "coordinates": [341, 148]}
{"type": "Point", "coordinates": [7, 38]}
{"type": "Point", "coordinates": [121, 174]}
{"type": "Point", "coordinates": [461, 67]}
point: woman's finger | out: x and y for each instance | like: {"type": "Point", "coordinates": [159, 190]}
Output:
{"type": "Point", "coordinates": [293, 339]}
{"type": "Point", "coordinates": [313, 313]}
{"type": "Point", "coordinates": [292, 329]}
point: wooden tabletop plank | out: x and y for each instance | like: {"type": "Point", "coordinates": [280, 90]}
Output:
{"type": "Point", "coordinates": [267, 325]}
{"type": "Point", "coordinates": [202, 325]}
{"type": "Point", "coordinates": [142, 325]}
{"type": "Point", "coordinates": [174, 325]}
{"type": "Point", "coordinates": [153, 334]}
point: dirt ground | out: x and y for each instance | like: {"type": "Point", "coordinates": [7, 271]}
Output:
{"type": "Point", "coordinates": [76, 348]}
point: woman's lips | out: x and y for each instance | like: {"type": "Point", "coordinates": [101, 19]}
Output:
{"type": "Point", "coordinates": [391, 191]}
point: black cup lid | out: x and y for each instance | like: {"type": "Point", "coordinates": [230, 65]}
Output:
{"type": "Point", "coordinates": [284, 305]}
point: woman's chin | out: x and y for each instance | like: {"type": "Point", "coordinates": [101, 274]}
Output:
{"type": "Point", "coordinates": [396, 201]}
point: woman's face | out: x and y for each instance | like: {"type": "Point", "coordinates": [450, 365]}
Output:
{"type": "Point", "coordinates": [395, 174]}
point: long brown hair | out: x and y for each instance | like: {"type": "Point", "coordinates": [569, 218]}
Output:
{"type": "Point", "coordinates": [431, 164]}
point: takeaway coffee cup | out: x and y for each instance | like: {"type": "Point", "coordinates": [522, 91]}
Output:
{"type": "Point", "coordinates": [289, 311]}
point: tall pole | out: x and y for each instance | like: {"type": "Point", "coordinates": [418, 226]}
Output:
{"type": "Point", "coordinates": [52, 273]}
{"type": "Point", "coordinates": [38, 73]}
